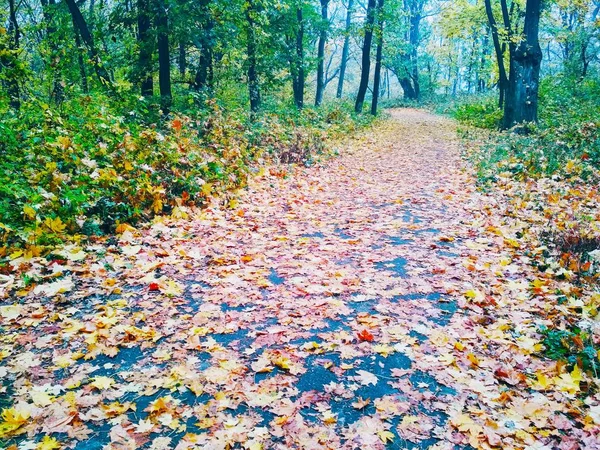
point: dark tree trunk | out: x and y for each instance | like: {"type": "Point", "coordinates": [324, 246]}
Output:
{"type": "Point", "coordinates": [298, 85]}
{"type": "Point", "coordinates": [57, 83]}
{"type": "Point", "coordinates": [146, 48]}
{"type": "Point", "coordinates": [502, 78]}
{"type": "Point", "coordinates": [164, 57]}
{"type": "Point", "coordinates": [80, 61]}
{"type": "Point", "coordinates": [407, 87]}
{"type": "Point", "coordinates": [253, 82]}
{"type": "Point", "coordinates": [415, 8]}
{"type": "Point", "coordinates": [182, 60]}
{"type": "Point", "coordinates": [321, 53]}
{"type": "Point", "coordinates": [377, 76]}
{"type": "Point", "coordinates": [204, 74]}
{"type": "Point", "coordinates": [366, 57]}
{"type": "Point", "coordinates": [522, 94]}
{"type": "Point", "coordinates": [8, 59]}
{"type": "Point", "coordinates": [345, 50]}
{"type": "Point", "coordinates": [84, 31]}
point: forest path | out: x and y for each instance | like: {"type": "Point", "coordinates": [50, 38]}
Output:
{"type": "Point", "coordinates": [317, 313]}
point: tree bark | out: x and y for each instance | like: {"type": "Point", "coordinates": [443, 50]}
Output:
{"type": "Point", "coordinates": [379, 52]}
{"type": "Point", "coordinates": [366, 57]}
{"type": "Point", "coordinates": [522, 95]}
{"type": "Point", "coordinates": [253, 82]}
{"type": "Point", "coordinates": [298, 85]}
{"type": "Point", "coordinates": [146, 48]}
{"type": "Point", "coordinates": [204, 74]}
{"type": "Point", "coordinates": [9, 59]}
{"type": "Point", "coordinates": [80, 61]}
{"type": "Point", "coordinates": [502, 78]}
{"type": "Point", "coordinates": [57, 83]}
{"type": "Point", "coordinates": [164, 57]}
{"type": "Point", "coordinates": [345, 50]}
{"type": "Point", "coordinates": [84, 31]}
{"type": "Point", "coordinates": [321, 53]}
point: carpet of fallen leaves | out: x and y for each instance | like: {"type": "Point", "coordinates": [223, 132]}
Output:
{"type": "Point", "coordinates": [375, 301]}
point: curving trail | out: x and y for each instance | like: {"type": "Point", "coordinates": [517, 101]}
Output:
{"type": "Point", "coordinates": [325, 311]}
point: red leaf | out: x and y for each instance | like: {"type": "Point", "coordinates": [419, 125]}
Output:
{"type": "Point", "coordinates": [177, 124]}
{"type": "Point", "coordinates": [153, 287]}
{"type": "Point", "coordinates": [364, 335]}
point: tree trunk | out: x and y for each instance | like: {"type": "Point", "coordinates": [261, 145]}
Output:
{"type": "Point", "coordinates": [204, 74]}
{"type": "Point", "coordinates": [146, 48]}
{"type": "Point", "coordinates": [377, 77]}
{"type": "Point", "coordinates": [298, 85]}
{"type": "Point", "coordinates": [366, 57]}
{"type": "Point", "coordinates": [415, 8]}
{"type": "Point", "coordinates": [253, 83]}
{"type": "Point", "coordinates": [345, 50]}
{"type": "Point", "coordinates": [164, 57]}
{"type": "Point", "coordinates": [9, 59]}
{"type": "Point", "coordinates": [522, 95]}
{"type": "Point", "coordinates": [321, 53]}
{"type": "Point", "coordinates": [502, 78]}
{"type": "Point", "coordinates": [80, 61]}
{"type": "Point", "coordinates": [81, 25]}
{"type": "Point", "coordinates": [182, 59]}
{"type": "Point", "coordinates": [409, 92]}
{"type": "Point", "coordinates": [57, 83]}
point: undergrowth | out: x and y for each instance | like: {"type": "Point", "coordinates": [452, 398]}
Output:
{"type": "Point", "coordinates": [95, 163]}
{"type": "Point", "coordinates": [549, 179]}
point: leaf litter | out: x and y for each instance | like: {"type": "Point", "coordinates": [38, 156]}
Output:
{"type": "Point", "coordinates": [376, 300]}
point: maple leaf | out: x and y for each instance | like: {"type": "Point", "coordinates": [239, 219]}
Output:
{"type": "Point", "coordinates": [12, 420]}
{"type": "Point", "coordinates": [102, 382]}
{"type": "Point", "coordinates": [365, 335]}
{"type": "Point", "coordinates": [48, 443]}
{"type": "Point", "coordinates": [385, 436]}
{"type": "Point", "coordinates": [360, 403]}
{"type": "Point", "coordinates": [11, 312]}
{"type": "Point", "coordinates": [365, 378]}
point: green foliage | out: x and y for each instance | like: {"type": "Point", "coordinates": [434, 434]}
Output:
{"type": "Point", "coordinates": [96, 163]}
{"type": "Point", "coordinates": [569, 131]}
{"type": "Point", "coordinates": [574, 346]}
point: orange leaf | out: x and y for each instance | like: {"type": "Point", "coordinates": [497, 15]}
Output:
{"type": "Point", "coordinates": [364, 335]}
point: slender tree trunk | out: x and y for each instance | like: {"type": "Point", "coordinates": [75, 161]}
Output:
{"type": "Point", "coordinates": [84, 32]}
{"type": "Point", "coordinates": [253, 83]}
{"type": "Point", "coordinates": [204, 74]}
{"type": "Point", "coordinates": [146, 48]}
{"type": "Point", "coordinates": [345, 50]}
{"type": "Point", "coordinates": [379, 52]}
{"type": "Point", "coordinates": [8, 60]}
{"type": "Point", "coordinates": [321, 53]}
{"type": "Point", "coordinates": [164, 57]}
{"type": "Point", "coordinates": [502, 78]}
{"type": "Point", "coordinates": [80, 61]}
{"type": "Point", "coordinates": [414, 39]}
{"type": "Point", "coordinates": [182, 59]}
{"type": "Point", "coordinates": [366, 57]}
{"type": "Point", "coordinates": [57, 83]}
{"type": "Point", "coordinates": [522, 94]}
{"type": "Point", "coordinates": [300, 77]}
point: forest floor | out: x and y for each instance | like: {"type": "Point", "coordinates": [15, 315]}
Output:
{"type": "Point", "coordinates": [372, 301]}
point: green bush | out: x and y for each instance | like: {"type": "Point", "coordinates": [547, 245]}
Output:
{"type": "Point", "coordinates": [95, 162]}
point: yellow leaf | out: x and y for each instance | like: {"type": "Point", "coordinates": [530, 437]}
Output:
{"type": "Point", "coordinates": [385, 436]}
{"type": "Point", "coordinates": [207, 189]}
{"type": "Point", "coordinates": [41, 399]}
{"type": "Point", "coordinates": [48, 443]}
{"type": "Point", "coordinates": [542, 383]}
{"type": "Point", "coordinates": [12, 421]}
{"type": "Point", "coordinates": [55, 225]}
{"type": "Point", "coordinates": [29, 212]}
{"type": "Point", "coordinates": [102, 383]}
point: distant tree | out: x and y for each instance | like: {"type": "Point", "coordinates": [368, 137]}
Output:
{"type": "Point", "coordinates": [366, 56]}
